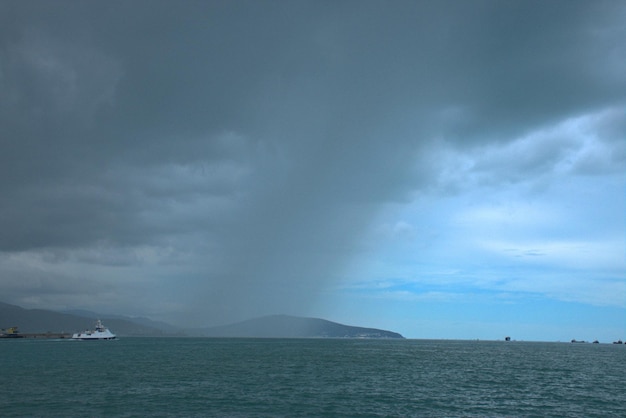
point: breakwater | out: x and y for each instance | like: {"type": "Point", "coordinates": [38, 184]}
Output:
{"type": "Point", "coordinates": [47, 335]}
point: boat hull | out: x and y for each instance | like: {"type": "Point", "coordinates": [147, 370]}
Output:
{"type": "Point", "coordinates": [100, 333]}
{"type": "Point", "coordinates": [93, 338]}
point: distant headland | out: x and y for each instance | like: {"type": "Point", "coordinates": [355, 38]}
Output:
{"type": "Point", "coordinates": [285, 326]}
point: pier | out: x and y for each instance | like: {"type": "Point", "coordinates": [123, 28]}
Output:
{"type": "Point", "coordinates": [47, 335]}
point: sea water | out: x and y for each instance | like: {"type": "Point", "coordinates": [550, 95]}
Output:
{"type": "Point", "coordinates": [186, 377]}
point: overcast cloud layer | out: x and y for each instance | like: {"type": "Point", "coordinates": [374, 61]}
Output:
{"type": "Point", "coordinates": [439, 168]}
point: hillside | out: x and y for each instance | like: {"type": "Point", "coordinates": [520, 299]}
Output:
{"type": "Point", "coordinates": [284, 326]}
{"type": "Point", "coordinates": [42, 321]}
{"type": "Point", "coordinates": [277, 326]}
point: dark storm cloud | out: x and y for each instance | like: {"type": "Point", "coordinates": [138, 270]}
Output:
{"type": "Point", "coordinates": [267, 133]}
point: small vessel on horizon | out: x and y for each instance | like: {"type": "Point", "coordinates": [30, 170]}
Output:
{"type": "Point", "coordinates": [100, 333]}
{"type": "Point", "coordinates": [10, 333]}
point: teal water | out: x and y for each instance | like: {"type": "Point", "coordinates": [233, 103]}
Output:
{"type": "Point", "coordinates": [188, 377]}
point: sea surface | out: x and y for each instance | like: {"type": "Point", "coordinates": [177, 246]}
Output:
{"type": "Point", "coordinates": [198, 377]}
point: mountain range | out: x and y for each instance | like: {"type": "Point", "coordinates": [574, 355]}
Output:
{"type": "Point", "coordinates": [275, 326]}
{"type": "Point", "coordinates": [44, 321]}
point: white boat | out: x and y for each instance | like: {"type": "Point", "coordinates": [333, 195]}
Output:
{"type": "Point", "coordinates": [100, 333]}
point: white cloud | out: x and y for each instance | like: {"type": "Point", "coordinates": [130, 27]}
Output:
{"type": "Point", "coordinates": [499, 232]}
{"type": "Point", "coordinates": [606, 255]}
{"type": "Point", "coordinates": [578, 145]}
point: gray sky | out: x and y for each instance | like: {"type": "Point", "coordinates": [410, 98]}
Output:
{"type": "Point", "coordinates": [432, 167]}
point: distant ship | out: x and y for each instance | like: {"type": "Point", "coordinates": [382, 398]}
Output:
{"type": "Point", "coordinates": [100, 333]}
{"type": "Point", "coordinates": [10, 333]}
